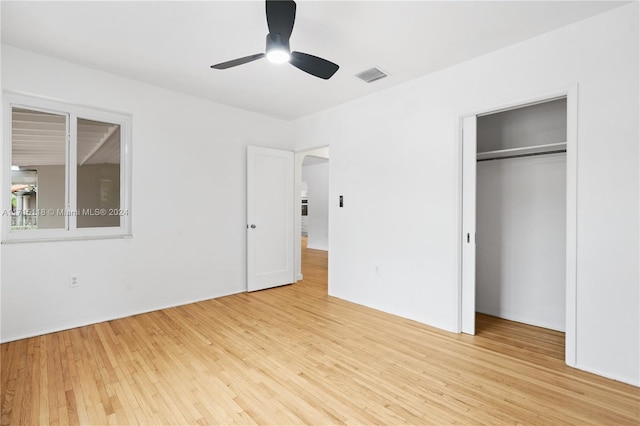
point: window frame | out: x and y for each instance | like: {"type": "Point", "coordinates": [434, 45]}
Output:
{"type": "Point", "coordinates": [72, 112]}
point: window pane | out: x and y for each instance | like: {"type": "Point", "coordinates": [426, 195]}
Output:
{"type": "Point", "coordinates": [98, 179]}
{"type": "Point", "coordinates": [38, 153]}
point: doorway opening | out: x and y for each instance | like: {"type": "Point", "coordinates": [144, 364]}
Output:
{"type": "Point", "coordinates": [312, 193]}
{"type": "Point", "coordinates": [518, 218]}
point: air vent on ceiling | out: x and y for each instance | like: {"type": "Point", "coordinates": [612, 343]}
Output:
{"type": "Point", "coordinates": [371, 75]}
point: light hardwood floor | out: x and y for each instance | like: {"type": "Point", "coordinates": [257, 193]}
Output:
{"type": "Point", "coordinates": [293, 355]}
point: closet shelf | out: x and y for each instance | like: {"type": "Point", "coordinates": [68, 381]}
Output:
{"type": "Point", "coordinates": [523, 151]}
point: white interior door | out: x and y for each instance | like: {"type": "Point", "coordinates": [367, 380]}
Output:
{"type": "Point", "coordinates": [469, 163]}
{"type": "Point", "coordinates": [270, 220]}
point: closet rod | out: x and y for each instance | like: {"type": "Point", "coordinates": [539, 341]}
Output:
{"type": "Point", "coordinates": [522, 155]}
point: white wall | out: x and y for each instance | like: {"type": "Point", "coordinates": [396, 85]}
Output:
{"type": "Point", "coordinates": [395, 157]}
{"type": "Point", "coordinates": [317, 178]}
{"type": "Point", "coordinates": [520, 244]}
{"type": "Point", "coordinates": [184, 148]}
{"type": "Point", "coordinates": [1, 165]}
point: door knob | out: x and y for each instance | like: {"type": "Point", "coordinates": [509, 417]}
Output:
{"type": "Point", "coordinates": [253, 226]}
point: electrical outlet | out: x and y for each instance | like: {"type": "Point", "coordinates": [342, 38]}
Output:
{"type": "Point", "coordinates": [74, 281]}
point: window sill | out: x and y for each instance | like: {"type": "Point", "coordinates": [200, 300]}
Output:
{"type": "Point", "coordinates": [67, 238]}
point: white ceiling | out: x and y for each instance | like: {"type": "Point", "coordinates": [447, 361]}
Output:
{"type": "Point", "coordinates": [172, 43]}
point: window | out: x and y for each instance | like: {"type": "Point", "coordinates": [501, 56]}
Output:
{"type": "Point", "coordinates": [67, 171]}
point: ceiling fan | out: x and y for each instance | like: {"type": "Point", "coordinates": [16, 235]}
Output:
{"type": "Point", "coordinates": [280, 18]}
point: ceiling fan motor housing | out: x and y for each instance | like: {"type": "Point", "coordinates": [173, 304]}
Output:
{"type": "Point", "coordinates": [275, 42]}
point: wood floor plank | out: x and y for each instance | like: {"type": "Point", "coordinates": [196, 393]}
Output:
{"type": "Point", "coordinates": [294, 355]}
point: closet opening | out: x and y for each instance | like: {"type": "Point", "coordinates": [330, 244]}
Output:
{"type": "Point", "coordinates": [515, 222]}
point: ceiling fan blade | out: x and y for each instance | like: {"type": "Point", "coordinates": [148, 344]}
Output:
{"type": "Point", "coordinates": [313, 65]}
{"type": "Point", "coordinates": [239, 61]}
{"type": "Point", "coordinates": [280, 18]}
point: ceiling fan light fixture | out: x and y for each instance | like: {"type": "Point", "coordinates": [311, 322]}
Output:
{"type": "Point", "coordinates": [277, 49]}
{"type": "Point", "coordinates": [281, 15]}
{"type": "Point", "coordinates": [278, 56]}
